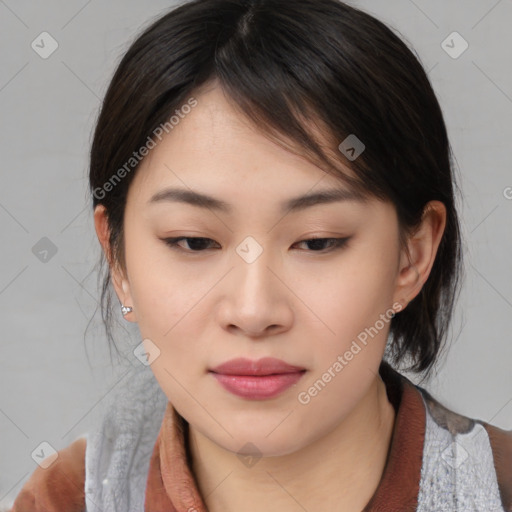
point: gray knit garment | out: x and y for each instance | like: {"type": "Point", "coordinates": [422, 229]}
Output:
{"type": "Point", "coordinates": [458, 473]}
{"type": "Point", "coordinates": [118, 451]}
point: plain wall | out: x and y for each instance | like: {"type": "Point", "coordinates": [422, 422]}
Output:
{"type": "Point", "coordinates": [51, 388]}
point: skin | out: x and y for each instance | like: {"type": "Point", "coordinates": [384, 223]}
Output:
{"type": "Point", "coordinates": [297, 302]}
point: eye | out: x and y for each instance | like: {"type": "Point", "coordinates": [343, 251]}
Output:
{"type": "Point", "coordinates": [197, 244]}
{"type": "Point", "coordinates": [200, 244]}
{"type": "Point", "coordinates": [318, 243]}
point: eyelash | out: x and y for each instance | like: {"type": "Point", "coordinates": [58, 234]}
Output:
{"type": "Point", "coordinates": [337, 243]}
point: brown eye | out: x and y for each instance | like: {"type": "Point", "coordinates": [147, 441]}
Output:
{"type": "Point", "coordinates": [317, 244]}
{"type": "Point", "coordinates": [196, 244]}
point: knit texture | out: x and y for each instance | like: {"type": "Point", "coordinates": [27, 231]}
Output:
{"type": "Point", "coordinates": [458, 473]}
{"type": "Point", "coordinates": [118, 451]}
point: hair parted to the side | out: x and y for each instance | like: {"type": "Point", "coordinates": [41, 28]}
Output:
{"type": "Point", "coordinates": [297, 68]}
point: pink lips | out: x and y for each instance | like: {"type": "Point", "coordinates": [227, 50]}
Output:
{"type": "Point", "coordinates": [257, 380]}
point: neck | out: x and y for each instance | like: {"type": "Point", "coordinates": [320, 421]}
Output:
{"type": "Point", "coordinates": [339, 471]}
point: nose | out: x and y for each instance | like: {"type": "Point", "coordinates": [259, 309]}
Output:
{"type": "Point", "coordinates": [256, 301]}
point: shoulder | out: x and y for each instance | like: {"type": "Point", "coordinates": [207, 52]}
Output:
{"type": "Point", "coordinates": [501, 443]}
{"type": "Point", "coordinates": [472, 448]}
{"type": "Point", "coordinates": [57, 485]}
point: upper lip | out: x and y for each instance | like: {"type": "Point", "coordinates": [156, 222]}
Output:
{"type": "Point", "coordinates": [264, 366]}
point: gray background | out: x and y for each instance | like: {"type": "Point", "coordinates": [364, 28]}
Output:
{"type": "Point", "coordinates": [52, 388]}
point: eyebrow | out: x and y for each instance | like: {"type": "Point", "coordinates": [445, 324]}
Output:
{"type": "Point", "coordinates": [180, 195]}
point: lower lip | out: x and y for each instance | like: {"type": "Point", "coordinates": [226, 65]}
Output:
{"type": "Point", "coordinates": [258, 387]}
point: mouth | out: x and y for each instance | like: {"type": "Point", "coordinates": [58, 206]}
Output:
{"type": "Point", "coordinates": [257, 380]}
{"type": "Point", "coordinates": [260, 367]}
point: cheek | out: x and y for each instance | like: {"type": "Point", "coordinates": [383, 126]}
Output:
{"type": "Point", "coordinates": [172, 310]}
{"type": "Point", "coordinates": [353, 305]}
{"type": "Point", "coordinates": [161, 292]}
{"type": "Point", "coordinates": [349, 350]}
{"type": "Point", "coordinates": [352, 293]}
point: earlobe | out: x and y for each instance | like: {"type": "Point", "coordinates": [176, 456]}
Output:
{"type": "Point", "coordinates": [419, 256]}
{"type": "Point", "coordinates": [123, 293]}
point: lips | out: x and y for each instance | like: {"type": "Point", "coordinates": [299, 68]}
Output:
{"type": "Point", "coordinates": [264, 366]}
{"type": "Point", "coordinates": [257, 380]}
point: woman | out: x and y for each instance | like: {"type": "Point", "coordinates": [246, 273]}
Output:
{"type": "Point", "coordinates": [273, 192]}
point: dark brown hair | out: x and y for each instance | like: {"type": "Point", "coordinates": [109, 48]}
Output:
{"type": "Point", "coordinates": [291, 66]}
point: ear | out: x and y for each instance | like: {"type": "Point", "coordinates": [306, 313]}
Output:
{"type": "Point", "coordinates": [119, 280]}
{"type": "Point", "coordinates": [418, 257]}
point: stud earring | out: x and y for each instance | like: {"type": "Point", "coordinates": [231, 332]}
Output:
{"type": "Point", "coordinates": [126, 309]}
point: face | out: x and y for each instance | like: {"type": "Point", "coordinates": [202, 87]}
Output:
{"type": "Point", "coordinates": [211, 284]}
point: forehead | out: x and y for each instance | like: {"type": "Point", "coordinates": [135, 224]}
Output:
{"type": "Point", "coordinates": [215, 149]}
